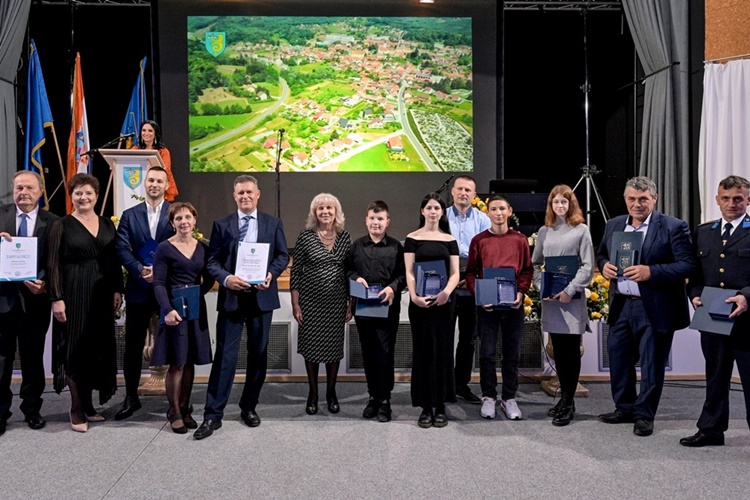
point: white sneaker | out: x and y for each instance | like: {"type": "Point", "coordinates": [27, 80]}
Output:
{"type": "Point", "coordinates": [488, 407]}
{"type": "Point", "coordinates": [510, 408]}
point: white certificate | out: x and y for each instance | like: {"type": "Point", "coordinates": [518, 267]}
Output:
{"type": "Point", "coordinates": [18, 259]}
{"type": "Point", "coordinates": [252, 262]}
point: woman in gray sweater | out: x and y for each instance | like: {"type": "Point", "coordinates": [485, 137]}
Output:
{"type": "Point", "coordinates": [564, 315]}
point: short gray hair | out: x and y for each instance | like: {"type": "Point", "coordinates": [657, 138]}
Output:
{"type": "Point", "coordinates": [241, 179]}
{"type": "Point", "coordinates": [312, 219]}
{"type": "Point", "coordinates": [642, 184]}
{"type": "Point", "coordinates": [30, 172]}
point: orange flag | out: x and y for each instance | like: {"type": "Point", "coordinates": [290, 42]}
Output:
{"type": "Point", "coordinates": [78, 141]}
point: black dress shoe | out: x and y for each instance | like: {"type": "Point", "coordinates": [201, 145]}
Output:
{"type": "Point", "coordinates": [564, 415]}
{"type": "Point", "coordinates": [643, 427]}
{"type": "Point", "coordinates": [129, 406]}
{"type": "Point", "coordinates": [3, 425]}
{"type": "Point", "coordinates": [699, 439]}
{"type": "Point", "coordinates": [187, 417]}
{"type": "Point", "coordinates": [555, 409]}
{"type": "Point", "coordinates": [333, 404]}
{"type": "Point", "coordinates": [617, 417]}
{"type": "Point", "coordinates": [468, 396]}
{"type": "Point", "coordinates": [371, 410]}
{"type": "Point", "coordinates": [250, 418]}
{"type": "Point", "coordinates": [425, 419]}
{"type": "Point", "coordinates": [207, 428]}
{"type": "Point", "coordinates": [35, 421]}
{"type": "Point", "coordinates": [384, 412]}
{"type": "Point", "coordinates": [311, 407]}
{"type": "Point", "coordinates": [440, 420]}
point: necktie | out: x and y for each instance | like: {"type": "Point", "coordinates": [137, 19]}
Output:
{"type": "Point", "coordinates": [243, 228]}
{"type": "Point", "coordinates": [726, 233]}
{"type": "Point", "coordinates": [23, 229]}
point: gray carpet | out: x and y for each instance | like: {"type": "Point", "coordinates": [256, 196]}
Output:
{"type": "Point", "coordinates": [293, 455]}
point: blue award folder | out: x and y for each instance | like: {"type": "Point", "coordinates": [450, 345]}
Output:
{"type": "Point", "coordinates": [368, 303]}
{"type": "Point", "coordinates": [431, 277]}
{"type": "Point", "coordinates": [558, 273]}
{"type": "Point", "coordinates": [626, 249]}
{"type": "Point", "coordinates": [147, 252]}
{"type": "Point", "coordinates": [703, 320]}
{"type": "Point", "coordinates": [186, 301]}
{"type": "Point", "coordinates": [497, 287]}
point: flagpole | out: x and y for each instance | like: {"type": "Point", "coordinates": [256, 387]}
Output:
{"type": "Point", "coordinates": [59, 159]}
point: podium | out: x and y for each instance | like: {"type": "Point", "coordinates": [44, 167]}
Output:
{"type": "Point", "coordinates": [128, 172]}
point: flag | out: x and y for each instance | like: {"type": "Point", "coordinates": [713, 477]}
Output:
{"type": "Point", "coordinates": [137, 112]}
{"type": "Point", "coordinates": [78, 141]}
{"type": "Point", "coordinates": [38, 117]}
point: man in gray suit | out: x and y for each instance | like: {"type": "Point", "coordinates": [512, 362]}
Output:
{"type": "Point", "coordinates": [24, 306]}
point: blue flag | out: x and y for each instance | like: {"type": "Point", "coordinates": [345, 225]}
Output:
{"type": "Point", "coordinates": [137, 112]}
{"type": "Point", "coordinates": [38, 116]}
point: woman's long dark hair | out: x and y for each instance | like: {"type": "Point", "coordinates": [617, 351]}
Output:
{"type": "Point", "coordinates": [443, 224]}
{"type": "Point", "coordinates": [157, 135]}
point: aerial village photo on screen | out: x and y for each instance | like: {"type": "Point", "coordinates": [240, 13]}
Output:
{"type": "Point", "coordinates": [387, 94]}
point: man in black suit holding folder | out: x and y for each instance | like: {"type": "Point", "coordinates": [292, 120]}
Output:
{"type": "Point", "coordinates": [240, 303]}
{"type": "Point", "coordinates": [647, 304]}
{"type": "Point", "coordinates": [140, 230]}
{"type": "Point", "coordinates": [24, 306]}
{"type": "Point", "coordinates": [722, 248]}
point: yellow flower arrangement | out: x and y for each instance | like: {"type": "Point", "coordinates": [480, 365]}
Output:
{"type": "Point", "coordinates": [479, 204]}
{"type": "Point", "coordinates": [597, 300]}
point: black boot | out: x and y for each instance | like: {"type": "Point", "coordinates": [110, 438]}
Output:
{"type": "Point", "coordinates": [565, 414]}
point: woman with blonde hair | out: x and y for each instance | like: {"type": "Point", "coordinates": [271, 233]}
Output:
{"type": "Point", "coordinates": [320, 295]}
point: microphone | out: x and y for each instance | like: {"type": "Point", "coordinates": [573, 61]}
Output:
{"type": "Point", "coordinates": [445, 184]}
{"type": "Point", "coordinates": [125, 136]}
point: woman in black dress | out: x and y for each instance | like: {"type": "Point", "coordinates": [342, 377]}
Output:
{"type": "Point", "coordinates": [85, 289]}
{"type": "Point", "coordinates": [432, 380]}
{"type": "Point", "coordinates": [320, 295]}
{"type": "Point", "coordinates": [181, 343]}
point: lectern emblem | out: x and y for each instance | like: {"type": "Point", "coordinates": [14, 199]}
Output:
{"type": "Point", "coordinates": [132, 177]}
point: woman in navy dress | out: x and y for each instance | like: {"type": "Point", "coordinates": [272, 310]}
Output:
{"type": "Point", "coordinates": [432, 380]}
{"type": "Point", "coordinates": [180, 343]}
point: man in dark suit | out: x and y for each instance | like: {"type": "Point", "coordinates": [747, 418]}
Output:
{"type": "Point", "coordinates": [240, 303]}
{"type": "Point", "coordinates": [25, 307]}
{"type": "Point", "coordinates": [141, 228]}
{"type": "Point", "coordinates": [722, 248]}
{"type": "Point", "coordinates": [647, 304]}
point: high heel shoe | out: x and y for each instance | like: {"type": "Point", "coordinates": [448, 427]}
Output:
{"type": "Point", "coordinates": [333, 404]}
{"type": "Point", "coordinates": [82, 427]}
{"type": "Point", "coordinates": [187, 417]}
{"type": "Point", "coordinates": [312, 406]}
{"type": "Point", "coordinates": [173, 419]}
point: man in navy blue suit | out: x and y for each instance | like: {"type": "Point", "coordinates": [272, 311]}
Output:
{"type": "Point", "coordinates": [240, 303]}
{"type": "Point", "coordinates": [140, 230]}
{"type": "Point", "coordinates": [647, 304]}
{"type": "Point", "coordinates": [723, 251]}
{"type": "Point", "coordinates": [25, 306]}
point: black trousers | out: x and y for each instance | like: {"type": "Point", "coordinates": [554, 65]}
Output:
{"type": "Point", "coordinates": [567, 349]}
{"type": "Point", "coordinates": [29, 330]}
{"type": "Point", "coordinates": [721, 351]}
{"type": "Point", "coordinates": [377, 336]}
{"type": "Point", "coordinates": [466, 312]}
{"type": "Point", "coordinates": [137, 319]}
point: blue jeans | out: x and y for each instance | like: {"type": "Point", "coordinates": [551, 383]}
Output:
{"type": "Point", "coordinates": [510, 322]}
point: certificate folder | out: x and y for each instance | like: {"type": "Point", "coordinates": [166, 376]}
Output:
{"type": "Point", "coordinates": [368, 303]}
{"type": "Point", "coordinates": [719, 309]}
{"type": "Point", "coordinates": [626, 249]}
{"type": "Point", "coordinates": [187, 302]}
{"type": "Point", "coordinates": [431, 277]}
{"type": "Point", "coordinates": [497, 287]}
{"type": "Point", "coordinates": [557, 275]}
{"type": "Point", "coordinates": [702, 320]}
{"type": "Point", "coordinates": [18, 259]}
{"type": "Point", "coordinates": [147, 252]}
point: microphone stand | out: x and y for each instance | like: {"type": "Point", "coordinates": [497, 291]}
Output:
{"type": "Point", "coordinates": [444, 187]}
{"type": "Point", "coordinates": [90, 152]}
{"type": "Point", "coordinates": [280, 136]}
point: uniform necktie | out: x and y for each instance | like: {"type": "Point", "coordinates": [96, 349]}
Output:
{"type": "Point", "coordinates": [23, 229]}
{"type": "Point", "coordinates": [243, 229]}
{"type": "Point", "coordinates": [726, 233]}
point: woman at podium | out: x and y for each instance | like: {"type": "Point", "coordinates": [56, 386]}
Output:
{"type": "Point", "coordinates": [151, 139]}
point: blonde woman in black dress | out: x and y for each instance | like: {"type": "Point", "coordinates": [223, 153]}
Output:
{"type": "Point", "coordinates": [320, 295]}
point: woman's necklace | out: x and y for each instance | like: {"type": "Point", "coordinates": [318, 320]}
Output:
{"type": "Point", "coordinates": [81, 216]}
{"type": "Point", "coordinates": [325, 238]}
